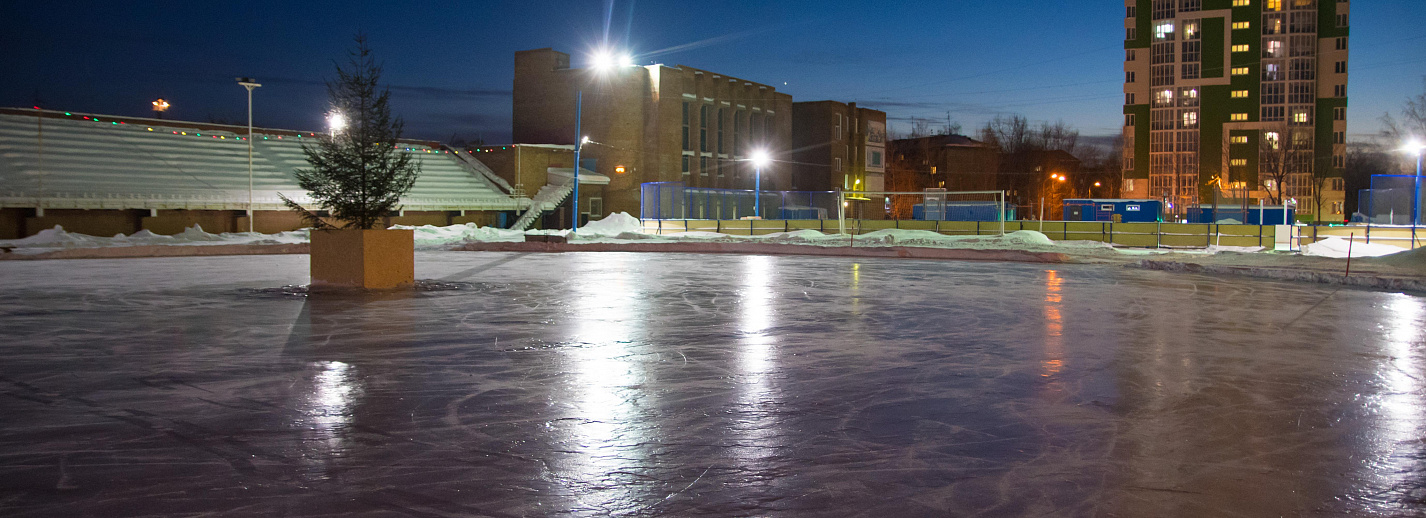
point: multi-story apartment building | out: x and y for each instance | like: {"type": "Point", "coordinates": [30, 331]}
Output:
{"type": "Point", "coordinates": [1236, 99]}
{"type": "Point", "coordinates": [653, 123]}
{"type": "Point", "coordinates": [837, 146]}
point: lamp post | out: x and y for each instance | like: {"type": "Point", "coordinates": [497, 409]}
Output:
{"type": "Point", "coordinates": [602, 63]}
{"type": "Point", "coordinates": [249, 84]}
{"type": "Point", "coordinates": [1417, 147]}
{"type": "Point", "coordinates": [760, 159]}
{"type": "Point", "coordinates": [159, 107]}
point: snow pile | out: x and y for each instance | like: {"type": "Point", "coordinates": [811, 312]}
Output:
{"type": "Point", "coordinates": [1413, 259]}
{"type": "Point", "coordinates": [433, 237]}
{"type": "Point", "coordinates": [612, 225]}
{"type": "Point", "coordinates": [57, 238]}
{"type": "Point", "coordinates": [1336, 247]}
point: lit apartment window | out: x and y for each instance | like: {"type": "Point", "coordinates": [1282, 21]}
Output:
{"type": "Point", "coordinates": [1238, 162]}
{"type": "Point", "coordinates": [1272, 5]}
{"type": "Point", "coordinates": [1274, 49]}
{"type": "Point", "coordinates": [1239, 117]}
{"type": "Point", "coordinates": [1242, 25]}
{"type": "Point", "coordinates": [1337, 205]}
{"type": "Point", "coordinates": [1273, 139]}
{"type": "Point", "coordinates": [1301, 116]}
{"type": "Point", "coordinates": [1241, 48]}
{"type": "Point", "coordinates": [1240, 71]}
{"type": "Point", "coordinates": [1190, 120]}
{"type": "Point", "coordinates": [1240, 94]}
{"type": "Point", "coordinates": [1163, 31]}
{"type": "Point", "coordinates": [1240, 3]}
{"type": "Point", "coordinates": [1241, 139]}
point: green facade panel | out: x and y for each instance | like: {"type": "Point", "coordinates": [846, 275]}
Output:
{"type": "Point", "coordinates": [1323, 150]}
{"type": "Point", "coordinates": [1143, 26]}
{"type": "Point", "coordinates": [1141, 140]}
{"type": "Point", "coordinates": [1210, 134]}
{"type": "Point", "coordinates": [1327, 21]}
{"type": "Point", "coordinates": [1247, 152]}
{"type": "Point", "coordinates": [1213, 47]}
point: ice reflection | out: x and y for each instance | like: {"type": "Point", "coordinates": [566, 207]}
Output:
{"type": "Point", "coordinates": [1053, 362]}
{"type": "Point", "coordinates": [327, 415]}
{"type": "Point", "coordinates": [606, 383]}
{"type": "Point", "coordinates": [758, 399]}
{"type": "Point", "coordinates": [1400, 405]}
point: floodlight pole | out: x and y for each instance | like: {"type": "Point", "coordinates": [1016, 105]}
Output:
{"type": "Point", "coordinates": [248, 83]}
{"type": "Point", "coordinates": [578, 143]}
{"type": "Point", "coordinates": [1416, 193]}
{"type": "Point", "coordinates": [757, 190]}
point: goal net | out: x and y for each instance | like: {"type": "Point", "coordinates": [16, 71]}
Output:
{"type": "Point", "coordinates": [928, 205]}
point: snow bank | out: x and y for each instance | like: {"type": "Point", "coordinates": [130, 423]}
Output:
{"type": "Point", "coordinates": [1336, 247]}
{"type": "Point", "coordinates": [433, 237]}
{"type": "Point", "coordinates": [57, 238]}
{"type": "Point", "coordinates": [612, 225]}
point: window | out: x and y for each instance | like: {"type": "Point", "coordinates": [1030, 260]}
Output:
{"type": "Point", "coordinates": [718, 166]}
{"type": "Point", "coordinates": [1130, 55]}
{"type": "Point", "coordinates": [1240, 71]}
{"type": "Point", "coordinates": [721, 149]}
{"type": "Point", "coordinates": [703, 166]}
{"type": "Point", "coordinates": [703, 131]}
{"type": "Point", "coordinates": [1339, 137]}
{"type": "Point", "coordinates": [1242, 25]}
{"type": "Point", "coordinates": [1129, 11]}
{"type": "Point", "coordinates": [1273, 72]}
{"type": "Point", "coordinates": [1240, 3]}
{"type": "Point", "coordinates": [1189, 119]}
{"type": "Point", "coordinates": [1191, 70]}
{"type": "Point", "coordinates": [1304, 22]}
{"type": "Point", "coordinates": [1162, 53]}
{"type": "Point", "coordinates": [1163, 31]}
{"type": "Point", "coordinates": [1341, 43]}
{"type": "Point", "coordinates": [874, 159]}
{"type": "Point", "coordinates": [1272, 139]}
{"type": "Point", "coordinates": [1238, 162]}
{"type": "Point", "coordinates": [837, 128]}
{"type": "Point", "coordinates": [596, 208]}
{"type": "Point", "coordinates": [1339, 90]}
{"type": "Point", "coordinates": [1273, 113]}
{"type": "Point", "coordinates": [1239, 117]}
{"type": "Point", "coordinates": [1163, 75]}
{"type": "Point", "coordinates": [737, 133]}
{"type": "Point", "coordinates": [1337, 205]}
{"type": "Point", "coordinates": [837, 164]}
{"type": "Point", "coordinates": [1339, 161]}
{"type": "Point", "coordinates": [1338, 184]}
{"type": "Point", "coordinates": [685, 165]}
{"type": "Point", "coordinates": [1242, 48]}
{"type": "Point", "coordinates": [1129, 120]}
{"type": "Point", "coordinates": [1303, 69]}
{"type": "Point", "coordinates": [1240, 139]}
{"type": "Point", "coordinates": [1240, 94]}
{"type": "Point", "coordinates": [1274, 24]}
{"type": "Point", "coordinates": [1272, 5]}
{"type": "Point", "coordinates": [1131, 34]}
{"type": "Point", "coordinates": [1188, 96]}
{"type": "Point", "coordinates": [1129, 99]}
{"type": "Point", "coordinates": [1128, 77]}
{"type": "Point", "coordinates": [1301, 93]}
{"type": "Point", "coordinates": [1301, 116]}
{"type": "Point", "coordinates": [1339, 114]}
{"type": "Point", "coordinates": [1274, 48]}
{"type": "Point", "coordinates": [1341, 67]}
{"type": "Point", "coordinates": [686, 143]}
{"type": "Point", "coordinates": [1341, 20]}
{"type": "Point", "coordinates": [1190, 5]}
{"type": "Point", "coordinates": [1191, 29]}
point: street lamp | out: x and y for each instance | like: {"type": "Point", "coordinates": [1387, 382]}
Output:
{"type": "Point", "coordinates": [1416, 147]}
{"type": "Point", "coordinates": [159, 107]}
{"type": "Point", "coordinates": [249, 84]}
{"type": "Point", "coordinates": [336, 122]}
{"type": "Point", "coordinates": [602, 62]}
{"type": "Point", "coordinates": [760, 160]}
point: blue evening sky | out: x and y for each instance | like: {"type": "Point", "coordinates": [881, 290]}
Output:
{"type": "Point", "coordinates": [449, 63]}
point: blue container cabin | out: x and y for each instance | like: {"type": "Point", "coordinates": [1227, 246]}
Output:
{"type": "Point", "coordinates": [1102, 209]}
{"type": "Point", "coordinates": [1255, 215]}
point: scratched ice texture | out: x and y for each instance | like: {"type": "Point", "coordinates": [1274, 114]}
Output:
{"type": "Point", "coordinates": [588, 384]}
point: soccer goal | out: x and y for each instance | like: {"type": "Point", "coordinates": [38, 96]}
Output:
{"type": "Point", "coordinates": [928, 205]}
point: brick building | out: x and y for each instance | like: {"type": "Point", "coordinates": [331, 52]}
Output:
{"type": "Point", "coordinates": [654, 123]}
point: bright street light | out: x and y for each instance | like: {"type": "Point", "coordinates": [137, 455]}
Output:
{"type": "Point", "coordinates": [760, 159]}
{"type": "Point", "coordinates": [336, 122]}
{"type": "Point", "coordinates": [1417, 148]}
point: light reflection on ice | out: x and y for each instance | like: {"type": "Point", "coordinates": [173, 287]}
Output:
{"type": "Point", "coordinates": [606, 381]}
{"type": "Point", "coordinates": [758, 398]}
{"type": "Point", "coordinates": [1053, 362]}
{"type": "Point", "coordinates": [1401, 403]}
{"type": "Point", "coordinates": [328, 414]}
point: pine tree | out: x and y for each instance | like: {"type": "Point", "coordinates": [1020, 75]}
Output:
{"type": "Point", "coordinates": [358, 173]}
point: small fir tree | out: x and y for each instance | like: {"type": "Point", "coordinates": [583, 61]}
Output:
{"type": "Point", "coordinates": [358, 175]}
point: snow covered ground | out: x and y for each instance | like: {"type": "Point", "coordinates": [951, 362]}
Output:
{"type": "Point", "coordinates": [623, 228]}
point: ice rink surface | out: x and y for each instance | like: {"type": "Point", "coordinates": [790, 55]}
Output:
{"type": "Point", "coordinates": [594, 384]}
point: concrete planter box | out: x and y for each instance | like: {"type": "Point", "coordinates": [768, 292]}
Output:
{"type": "Point", "coordinates": [365, 259]}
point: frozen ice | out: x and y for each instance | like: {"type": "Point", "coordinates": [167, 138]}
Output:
{"type": "Point", "coordinates": [597, 384]}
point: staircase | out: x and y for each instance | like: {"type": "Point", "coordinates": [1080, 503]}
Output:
{"type": "Point", "coordinates": [549, 197]}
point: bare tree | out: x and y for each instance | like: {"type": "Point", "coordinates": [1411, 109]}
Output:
{"type": "Point", "coordinates": [1412, 123]}
{"type": "Point", "coordinates": [1273, 160]}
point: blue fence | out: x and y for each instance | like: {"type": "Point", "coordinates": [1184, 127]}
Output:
{"type": "Point", "coordinates": [1392, 200]}
{"type": "Point", "coordinates": [674, 200]}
